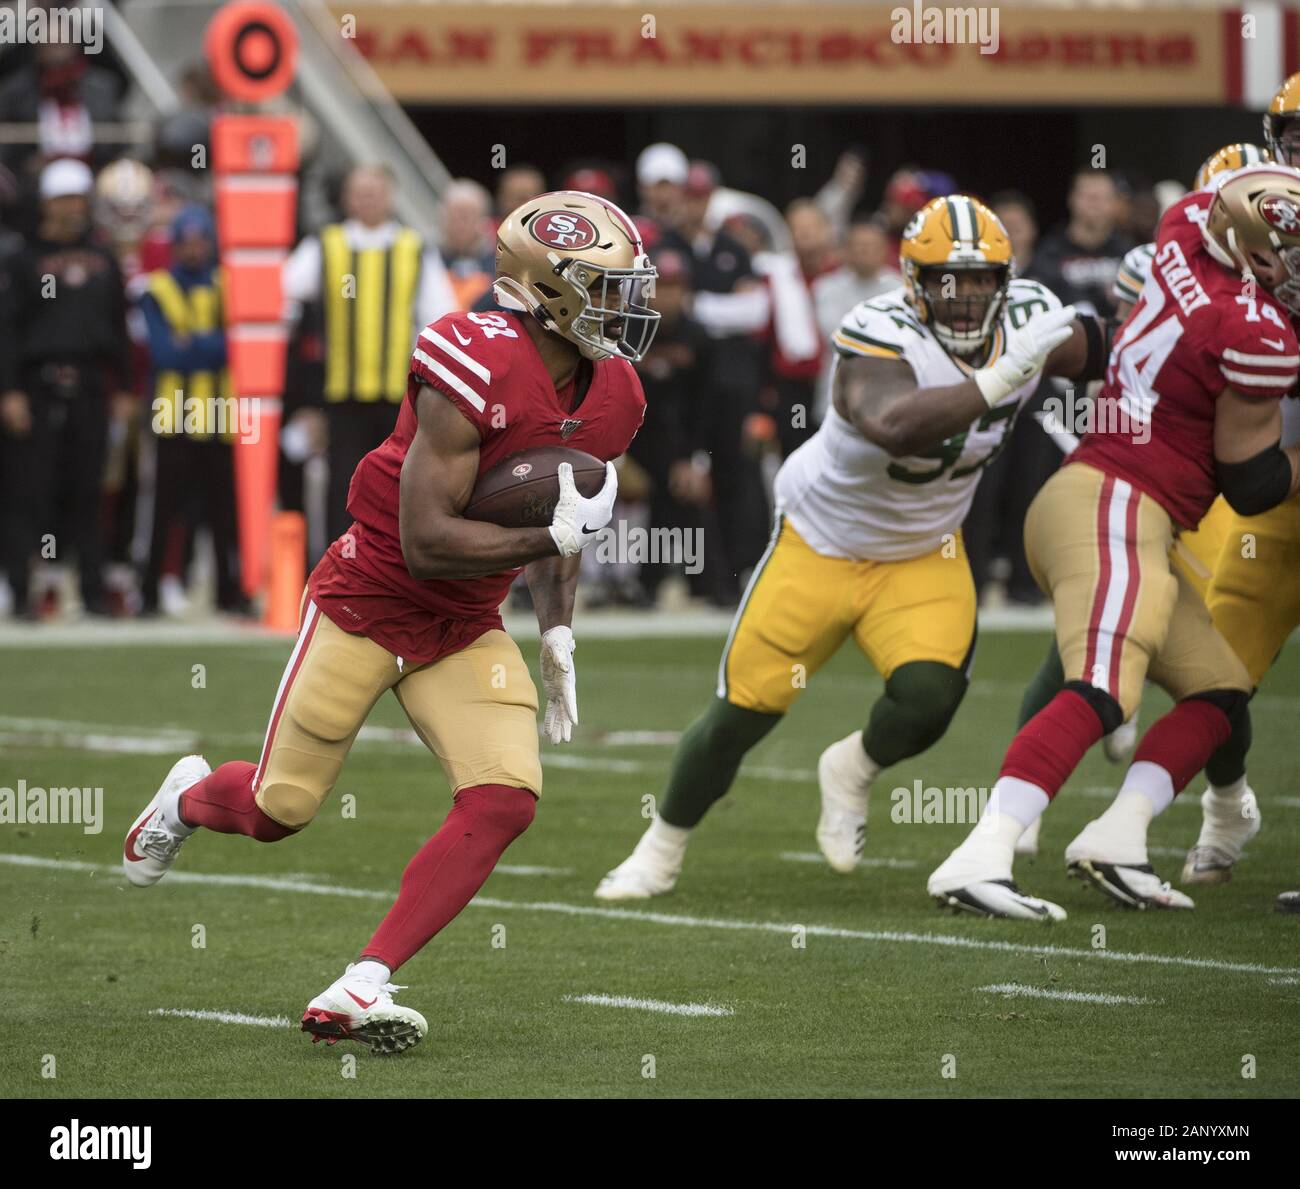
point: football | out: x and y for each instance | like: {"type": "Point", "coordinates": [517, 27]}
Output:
{"type": "Point", "coordinates": [520, 491]}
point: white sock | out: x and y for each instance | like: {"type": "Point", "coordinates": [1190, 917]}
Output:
{"type": "Point", "coordinates": [372, 970]}
{"type": "Point", "coordinates": [663, 843]}
{"type": "Point", "coordinates": [864, 767]}
{"type": "Point", "coordinates": [1229, 795]}
{"type": "Point", "coordinates": [1153, 782]}
{"type": "Point", "coordinates": [171, 816]}
{"type": "Point", "coordinates": [1018, 799]}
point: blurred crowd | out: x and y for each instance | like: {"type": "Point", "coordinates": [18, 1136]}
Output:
{"type": "Point", "coordinates": [113, 354]}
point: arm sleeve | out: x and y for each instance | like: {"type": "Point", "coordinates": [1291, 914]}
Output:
{"type": "Point", "coordinates": [164, 353]}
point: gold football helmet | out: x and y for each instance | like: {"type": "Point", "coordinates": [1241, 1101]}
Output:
{"type": "Point", "coordinates": [1284, 108]}
{"type": "Point", "coordinates": [575, 262]}
{"type": "Point", "coordinates": [1253, 221]}
{"type": "Point", "coordinates": [1231, 156]}
{"type": "Point", "coordinates": [956, 260]}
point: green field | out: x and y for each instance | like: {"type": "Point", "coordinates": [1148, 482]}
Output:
{"type": "Point", "coordinates": [883, 998]}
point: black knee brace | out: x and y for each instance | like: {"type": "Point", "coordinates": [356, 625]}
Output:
{"type": "Point", "coordinates": [1103, 705]}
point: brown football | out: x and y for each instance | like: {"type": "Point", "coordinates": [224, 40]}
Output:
{"type": "Point", "coordinates": [520, 491]}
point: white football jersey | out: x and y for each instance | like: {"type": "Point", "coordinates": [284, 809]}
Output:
{"type": "Point", "coordinates": [848, 498]}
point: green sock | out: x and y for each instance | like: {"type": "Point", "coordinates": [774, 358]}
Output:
{"type": "Point", "coordinates": [1043, 685]}
{"type": "Point", "coordinates": [914, 711]}
{"type": "Point", "coordinates": [707, 759]}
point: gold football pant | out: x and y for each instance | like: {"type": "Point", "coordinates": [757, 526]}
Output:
{"type": "Point", "coordinates": [801, 606]}
{"type": "Point", "coordinates": [476, 710]}
{"type": "Point", "coordinates": [1254, 595]}
{"type": "Point", "coordinates": [1100, 548]}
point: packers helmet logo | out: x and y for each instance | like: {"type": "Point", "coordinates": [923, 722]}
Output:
{"type": "Point", "coordinates": [523, 470]}
{"type": "Point", "coordinates": [1280, 213]}
{"type": "Point", "coordinates": [564, 229]}
{"type": "Point", "coordinates": [914, 224]}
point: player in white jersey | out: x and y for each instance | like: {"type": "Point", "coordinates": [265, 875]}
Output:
{"type": "Point", "coordinates": [927, 383]}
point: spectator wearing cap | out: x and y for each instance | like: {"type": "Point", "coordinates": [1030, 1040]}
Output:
{"type": "Point", "coordinates": [671, 447]}
{"type": "Point", "coordinates": [364, 274]}
{"type": "Point", "coordinates": [661, 171]}
{"type": "Point", "coordinates": [64, 368]}
{"type": "Point", "coordinates": [732, 305]}
{"type": "Point", "coordinates": [192, 411]}
{"type": "Point", "coordinates": [591, 179]}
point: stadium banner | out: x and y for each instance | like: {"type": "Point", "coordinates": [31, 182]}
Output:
{"type": "Point", "coordinates": [816, 53]}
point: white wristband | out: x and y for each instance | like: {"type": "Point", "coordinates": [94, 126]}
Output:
{"type": "Point", "coordinates": [993, 388]}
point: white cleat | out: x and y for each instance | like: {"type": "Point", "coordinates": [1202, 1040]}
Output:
{"type": "Point", "coordinates": [156, 836]}
{"type": "Point", "coordinates": [842, 827]}
{"type": "Point", "coordinates": [637, 878]}
{"type": "Point", "coordinates": [1225, 830]}
{"type": "Point", "coordinates": [1121, 743]}
{"type": "Point", "coordinates": [360, 1009]}
{"type": "Point", "coordinates": [964, 883]}
{"type": "Point", "coordinates": [1027, 843]}
{"type": "Point", "coordinates": [1120, 869]}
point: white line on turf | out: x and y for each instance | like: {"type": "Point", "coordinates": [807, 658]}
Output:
{"type": "Point", "coordinates": [1020, 991]}
{"type": "Point", "coordinates": [225, 1017]}
{"type": "Point", "coordinates": [109, 738]}
{"type": "Point", "coordinates": [887, 936]}
{"type": "Point", "coordinates": [810, 856]}
{"type": "Point", "coordinates": [659, 1005]}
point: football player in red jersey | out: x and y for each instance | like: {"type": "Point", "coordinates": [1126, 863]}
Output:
{"type": "Point", "coordinates": [408, 599]}
{"type": "Point", "coordinates": [1190, 408]}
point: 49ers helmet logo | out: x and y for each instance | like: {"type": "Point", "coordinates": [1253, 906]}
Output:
{"type": "Point", "coordinates": [564, 229]}
{"type": "Point", "coordinates": [1281, 213]}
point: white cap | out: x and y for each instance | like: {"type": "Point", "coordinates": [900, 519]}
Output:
{"type": "Point", "coordinates": [661, 163]}
{"type": "Point", "coordinates": [66, 176]}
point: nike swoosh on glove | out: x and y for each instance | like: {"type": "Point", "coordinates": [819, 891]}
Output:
{"type": "Point", "coordinates": [1026, 353]}
{"type": "Point", "coordinates": [560, 684]}
{"type": "Point", "coordinates": [578, 520]}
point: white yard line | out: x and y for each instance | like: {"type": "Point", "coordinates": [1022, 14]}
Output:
{"type": "Point", "coordinates": [885, 936]}
{"type": "Point", "coordinates": [224, 1017]}
{"type": "Point", "coordinates": [812, 856]}
{"type": "Point", "coordinates": [659, 1005]}
{"type": "Point", "coordinates": [1020, 991]}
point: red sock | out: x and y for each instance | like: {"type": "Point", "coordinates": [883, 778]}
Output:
{"type": "Point", "coordinates": [223, 801]}
{"type": "Point", "coordinates": [451, 867]}
{"type": "Point", "coordinates": [1183, 740]}
{"type": "Point", "coordinates": [1050, 745]}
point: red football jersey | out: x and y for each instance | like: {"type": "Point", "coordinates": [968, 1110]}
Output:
{"type": "Point", "coordinates": [490, 369]}
{"type": "Point", "coordinates": [1197, 329]}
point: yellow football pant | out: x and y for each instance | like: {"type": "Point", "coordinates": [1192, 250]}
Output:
{"type": "Point", "coordinates": [1254, 596]}
{"type": "Point", "coordinates": [801, 606]}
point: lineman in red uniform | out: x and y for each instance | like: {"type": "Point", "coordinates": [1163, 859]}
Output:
{"type": "Point", "coordinates": [1190, 408]}
{"type": "Point", "coordinates": [408, 599]}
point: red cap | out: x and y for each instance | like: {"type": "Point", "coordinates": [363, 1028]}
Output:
{"type": "Point", "coordinates": [701, 178]}
{"type": "Point", "coordinates": [592, 181]}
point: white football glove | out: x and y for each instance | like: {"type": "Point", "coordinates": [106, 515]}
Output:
{"type": "Point", "coordinates": [578, 520]}
{"type": "Point", "coordinates": [560, 684]}
{"type": "Point", "coordinates": [1027, 351]}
